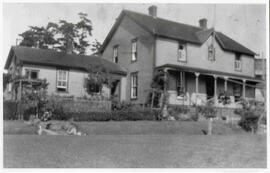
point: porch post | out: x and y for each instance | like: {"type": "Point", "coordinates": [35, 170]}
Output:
{"type": "Point", "coordinates": [197, 85]}
{"type": "Point", "coordinates": [225, 83]}
{"type": "Point", "coordinates": [20, 100]}
{"type": "Point", "coordinates": [197, 82]}
{"type": "Point", "coordinates": [215, 88]}
{"type": "Point", "coordinates": [164, 111]}
{"type": "Point", "coordinates": [244, 89]}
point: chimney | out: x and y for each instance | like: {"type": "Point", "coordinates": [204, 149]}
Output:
{"type": "Point", "coordinates": [69, 48]}
{"type": "Point", "coordinates": [203, 23]}
{"type": "Point", "coordinates": [152, 11]}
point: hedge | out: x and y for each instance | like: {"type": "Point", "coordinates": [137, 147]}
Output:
{"type": "Point", "coordinates": [9, 110]}
{"type": "Point", "coordinates": [183, 112]}
{"type": "Point", "coordinates": [127, 115]}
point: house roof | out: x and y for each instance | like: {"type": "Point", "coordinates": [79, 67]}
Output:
{"type": "Point", "coordinates": [60, 59]}
{"type": "Point", "coordinates": [210, 72]}
{"type": "Point", "coordinates": [175, 30]}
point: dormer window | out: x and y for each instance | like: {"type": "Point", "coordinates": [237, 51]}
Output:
{"type": "Point", "coordinates": [182, 53]}
{"type": "Point", "coordinates": [211, 53]}
{"type": "Point", "coordinates": [238, 62]}
{"type": "Point", "coordinates": [115, 54]}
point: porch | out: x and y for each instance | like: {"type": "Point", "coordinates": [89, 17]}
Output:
{"type": "Point", "coordinates": [189, 86]}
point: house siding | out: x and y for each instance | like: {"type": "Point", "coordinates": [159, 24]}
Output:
{"type": "Point", "coordinates": [75, 79]}
{"type": "Point", "coordinates": [125, 33]}
{"type": "Point", "coordinates": [197, 57]}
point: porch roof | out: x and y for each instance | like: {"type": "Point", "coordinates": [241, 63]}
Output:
{"type": "Point", "coordinates": [209, 72]}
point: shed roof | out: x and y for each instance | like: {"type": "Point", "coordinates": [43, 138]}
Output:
{"type": "Point", "coordinates": [60, 59]}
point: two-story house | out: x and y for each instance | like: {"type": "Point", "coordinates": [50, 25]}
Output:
{"type": "Point", "coordinates": [200, 62]}
{"type": "Point", "coordinates": [65, 72]}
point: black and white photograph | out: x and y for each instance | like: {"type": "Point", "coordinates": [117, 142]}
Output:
{"type": "Point", "coordinates": [135, 84]}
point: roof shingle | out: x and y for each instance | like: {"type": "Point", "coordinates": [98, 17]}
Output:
{"type": "Point", "coordinates": [61, 59]}
{"type": "Point", "coordinates": [175, 30]}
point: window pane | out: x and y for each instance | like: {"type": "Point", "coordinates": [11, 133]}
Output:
{"type": "Point", "coordinates": [65, 75]}
{"type": "Point", "coordinates": [34, 75]}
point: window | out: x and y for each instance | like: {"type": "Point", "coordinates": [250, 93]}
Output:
{"type": "Point", "coordinates": [31, 74]}
{"type": "Point", "coordinates": [115, 54]}
{"type": "Point", "coordinates": [238, 63]}
{"type": "Point", "coordinates": [62, 80]}
{"type": "Point", "coordinates": [94, 88]}
{"type": "Point", "coordinates": [211, 53]}
{"type": "Point", "coordinates": [134, 85]}
{"type": "Point", "coordinates": [180, 84]}
{"type": "Point", "coordinates": [9, 87]}
{"type": "Point", "coordinates": [134, 50]}
{"type": "Point", "coordinates": [182, 55]}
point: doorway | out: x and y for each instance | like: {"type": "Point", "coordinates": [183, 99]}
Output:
{"type": "Point", "coordinates": [209, 81]}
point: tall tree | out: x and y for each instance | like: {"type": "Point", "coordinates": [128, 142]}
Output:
{"type": "Point", "coordinates": [96, 45]}
{"type": "Point", "coordinates": [61, 36]}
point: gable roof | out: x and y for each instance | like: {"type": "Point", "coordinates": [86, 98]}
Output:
{"type": "Point", "coordinates": [60, 59]}
{"type": "Point", "coordinates": [175, 30]}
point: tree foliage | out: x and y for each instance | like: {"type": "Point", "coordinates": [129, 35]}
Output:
{"type": "Point", "coordinates": [97, 76]}
{"type": "Point", "coordinates": [96, 46]}
{"type": "Point", "coordinates": [61, 36]}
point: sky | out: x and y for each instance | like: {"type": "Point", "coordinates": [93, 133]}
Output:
{"type": "Point", "coordinates": [244, 23]}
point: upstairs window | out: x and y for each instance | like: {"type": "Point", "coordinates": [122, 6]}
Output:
{"type": "Point", "coordinates": [238, 62]}
{"type": "Point", "coordinates": [182, 53]}
{"type": "Point", "coordinates": [211, 53]}
{"type": "Point", "coordinates": [31, 74]}
{"type": "Point", "coordinates": [134, 50]}
{"type": "Point", "coordinates": [115, 54]}
{"type": "Point", "coordinates": [62, 80]}
{"type": "Point", "coordinates": [181, 84]}
{"type": "Point", "coordinates": [134, 85]}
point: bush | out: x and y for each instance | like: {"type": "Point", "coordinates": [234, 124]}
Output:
{"type": "Point", "coordinates": [208, 111]}
{"type": "Point", "coordinates": [10, 110]}
{"type": "Point", "coordinates": [250, 115]}
{"type": "Point", "coordinates": [183, 113]}
{"type": "Point", "coordinates": [249, 120]}
{"type": "Point", "coordinates": [123, 115]}
{"type": "Point", "coordinates": [28, 112]}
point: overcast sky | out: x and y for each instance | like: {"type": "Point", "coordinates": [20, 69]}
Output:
{"type": "Point", "coordinates": [244, 23]}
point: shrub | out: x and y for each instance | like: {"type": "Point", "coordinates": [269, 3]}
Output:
{"type": "Point", "coordinates": [250, 115]}
{"type": "Point", "coordinates": [28, 112]}
{"type": "Point", "coordinates": [208, 111]}
{"type": "Point", "coordinates": [249, 119]}
{"type": "Point", "coordinates": [123, 115]}
{"type": "Point", "coordinates": [10, 110]}
{"type": "Point", "coordinates": [183, 113]}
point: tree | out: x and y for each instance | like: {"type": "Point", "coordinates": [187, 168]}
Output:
{"type": "Point", "coordinates": [39, 37]}
{"type": "Point", "coordinates": [61, 36]}
{"type": "Point", "coordinates": [96, 46]}
{"type": "Point", "coordinates": [209, 113]}
{"type": "Point", "coordinates": [97, 76]}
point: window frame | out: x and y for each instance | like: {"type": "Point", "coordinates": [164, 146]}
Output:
{"type": "Point", "coordinates": [238, 62]}
{"type": "Point", "coordinates": [134, 52]}
{"type": "Point", "coordinates": [29, 76]}
{"type": "Point", "coordinates": [116, 47]}
{"type": "Point", "coordinates": [211, 48]}
{"type": "Point", "coordinates": [132, 86]}
{"type": "Point", "coordinates": [179, 56]}
{"type": "Point", "coordinates": [62, 80]}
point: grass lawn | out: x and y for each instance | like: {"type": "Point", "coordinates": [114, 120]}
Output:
{"type": "Point", "coordinates": [140, 144]}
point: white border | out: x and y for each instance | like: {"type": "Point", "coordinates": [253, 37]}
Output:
{"type": "Point", "coordinates": [142, 1]}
